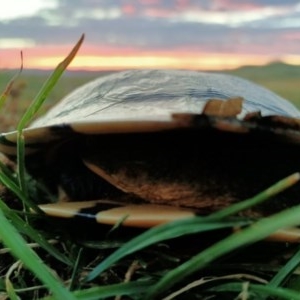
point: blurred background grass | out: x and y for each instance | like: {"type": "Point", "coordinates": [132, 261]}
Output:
{"type": "Point", "coordinates": [281, 78]}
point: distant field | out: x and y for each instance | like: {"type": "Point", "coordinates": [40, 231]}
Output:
{"type": "Point", "coordinates": [27, 87]}
{"type": "Point", "coordinates": [281, 78]}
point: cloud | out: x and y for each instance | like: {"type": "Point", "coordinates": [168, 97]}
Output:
{"type": "Point", "coordinates": [19, 8]}
{"type": "Point", "coordinates": [151, 25]}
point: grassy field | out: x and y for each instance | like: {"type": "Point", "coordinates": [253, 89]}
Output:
{"type": "Point", "coordinates": [281, 78]}
{"type": "Point", "coordinates": [27, 87]}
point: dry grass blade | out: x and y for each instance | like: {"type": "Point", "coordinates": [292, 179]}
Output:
{"type": "Point", "coordinates": [9, 86]}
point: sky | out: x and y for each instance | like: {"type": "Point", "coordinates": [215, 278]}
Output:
{"type": "Point", "coordinates": [125, 34]}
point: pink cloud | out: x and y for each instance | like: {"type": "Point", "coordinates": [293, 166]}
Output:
{"type": "Point", "coordinates": [158, 12]}
{"type": "Point", "coordinates": [128, 9]}
{"type": "Point", "coordinates": [234, 5]}
{"type": "Point", "coordinates": [292, 36]}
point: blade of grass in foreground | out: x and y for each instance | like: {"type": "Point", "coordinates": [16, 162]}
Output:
{"type": "Point", "coordinates": [10, 182]}
{"type": "Point", "coordinates": [21, 191]}
{"type": "Point", "coordinates": [259, 230]}
{"type": "Point", "coordinates": [11, 291]}
{"type": "Point", "coordinates": [273, 190]}
{"type": "Point", "coordinates": [113, 290]}
{"type": "Point", "coordinates": [48, 86]}
{"type": "Point", "coordinates": [24, 228]}
{"type": "Point", "coordinates": [9, 235]}
{"type": "Point", "coordinates": [286, 270]}
{"type": "Point", "coordinates": [33, 109]}
{"type": "Point", "coordinates": [12, 239]}
{"type": "Point", "coordinates": [161, 233]}
{"type": "Point", "coordinates": [175, 229]}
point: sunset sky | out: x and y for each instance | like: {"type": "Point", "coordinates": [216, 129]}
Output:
{"type": "Point", "coordinates": [121, 34]}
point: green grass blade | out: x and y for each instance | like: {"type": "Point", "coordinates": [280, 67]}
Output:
{"type": "Point", "coordinates": [273, 190]}
{"type": "Point", "coordinates": [109, 291]}
{"type": "Point", "coordinates": [12, 185]}
{"type": "Point", "coordinates": [266, 290]}
{"type": "Point", "coordinates": [75, 269]}
{"type": "Point", "coordinates": [24, 228]}
{"type": "Point", "coordinates": [286, 270]}
{"type": "Point", "coordinates": [21, 168]}
{"type": "Point", "coordinates": [259, 230]}
{"type": "Point", "coordinates": [8, 180]}
{"type": "Point", "coordinates": [11, 291]}
{"type": "Point", "coordinates": [161, 233]}
{"type": "Point", "coordinates": [7, 172]}
{"type": "Point", "coordinates": [9, 235]}
{"type": "Point", "coordinates": [12, 239]}
{"type": "Point", "coordinates": [33, 109]}
{"type": "Point", "coordinates": [48, 86]}
{"type": "Point", "coordinates": [171, 230]}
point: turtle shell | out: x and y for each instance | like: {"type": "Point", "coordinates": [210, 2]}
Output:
{"type": "Point", "coordinates": [146, 100]}
{"type": "Point", "coordinates": [185, 139]}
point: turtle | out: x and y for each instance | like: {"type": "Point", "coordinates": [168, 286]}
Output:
{"type": "Point", "coordinates": [151, 146]}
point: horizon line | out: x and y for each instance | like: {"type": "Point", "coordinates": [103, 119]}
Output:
{"type": "Point", "coordinates": [118, 69]}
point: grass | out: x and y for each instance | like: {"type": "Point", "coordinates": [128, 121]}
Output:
{"type": "Point", "coordinates": [196, 258]}
{"type": "Point", "coordinates": [281, 78]}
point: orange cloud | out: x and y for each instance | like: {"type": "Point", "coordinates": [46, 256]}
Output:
{"type": "Point", "coordinates": [155, 60]}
